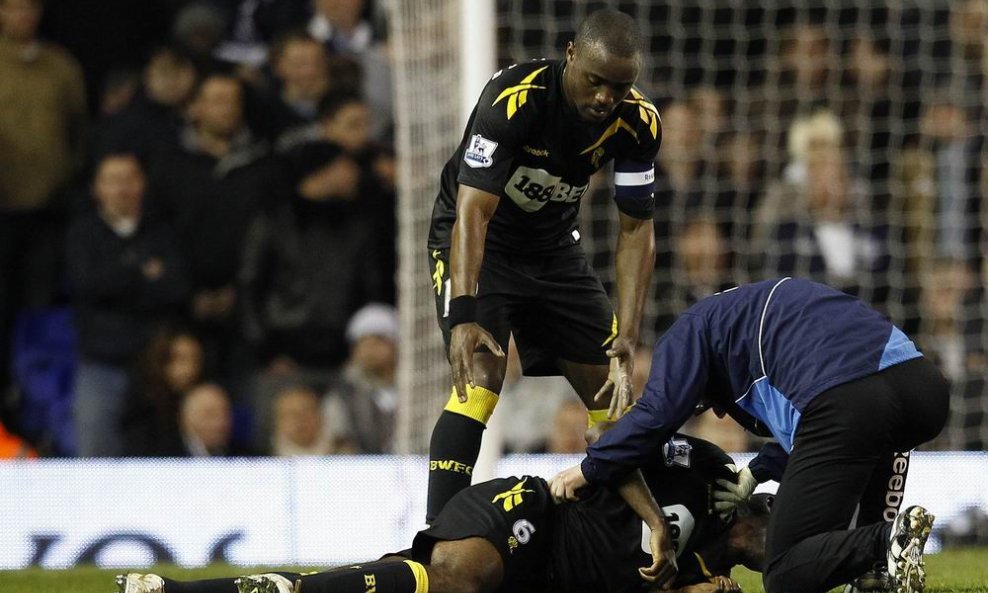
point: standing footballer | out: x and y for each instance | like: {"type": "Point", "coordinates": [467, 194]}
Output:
{"type": "Point", "coordinates": [505, 249]}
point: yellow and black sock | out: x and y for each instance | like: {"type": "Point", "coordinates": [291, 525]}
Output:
{"type": "Point", "coordinates": [227, 585]}
{"type": "Point", "coordinates": [382, 576]}
{"type": "Point", "coordinates": [387, 576]}
{"type": "Point", "coordinates": [455, 445]}
{"type": "Point", "coordinates": [595, 417]}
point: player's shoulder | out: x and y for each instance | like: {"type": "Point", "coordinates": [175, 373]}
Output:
{"type": "Point", "coordinates": [694, 462]}
{"type": "Point", "coordinates": [519, 88]}
{"type": "Point", "coordinates": [640, 111]}
{"type": "Point", "coordinates": [535, 72]}
{"type": "Point", "coordinates": [689, 452]}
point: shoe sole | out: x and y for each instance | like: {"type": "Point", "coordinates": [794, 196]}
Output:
{"type": "Point", "coordinates": [255, 585]}
{"type": "Point", "coordinates": [252, 584]}
{"type": "Point", "coordinates": [910, 568]}
{"type": "Point", "coordinates": [123, 585]}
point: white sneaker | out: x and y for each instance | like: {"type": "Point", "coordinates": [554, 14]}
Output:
{"type": "Point", "coordinates": [905, 556]}
{"type": "Point", "coordinates": [140, 583]}
{"type": "Point", "coordinates": [267, 583]}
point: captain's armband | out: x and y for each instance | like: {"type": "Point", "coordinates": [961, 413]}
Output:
{"type": "Point", "coordinates": [634, 187]}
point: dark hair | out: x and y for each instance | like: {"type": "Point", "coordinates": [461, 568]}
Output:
{"type": "Point", "coordinates": [219, 75]}
{"type": "Point", "coordinates": [119, 154]}
{"type": "Point", "coordinates": [758, 505]}
{"type": "Point", "coordinates": [284, 38]}
{"type": "Point", "coordinates": [332, 103]}
{"type": "Point", "coordinates": [175, 53]}
{"type": "Point", "coordinates": [615, 31]}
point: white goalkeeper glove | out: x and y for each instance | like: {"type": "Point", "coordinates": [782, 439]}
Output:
{"type": "Point", "coordinates": [728, 495]}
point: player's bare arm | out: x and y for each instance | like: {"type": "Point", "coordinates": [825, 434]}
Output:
{"type": "Point", "coordinates": [635, 259]}
{"type": "Point", "coordinates": [636, 494]}
{"type": "Point", "coordinates": [474, 210]}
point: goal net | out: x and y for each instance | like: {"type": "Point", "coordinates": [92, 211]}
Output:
{"type": "Point", "coordinates": [424, 39]}
{"type": "Point", "coordinates": [837, 140]}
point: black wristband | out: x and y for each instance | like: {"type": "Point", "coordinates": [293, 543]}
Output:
{"type": "Point", "coordinates": [462, 309]}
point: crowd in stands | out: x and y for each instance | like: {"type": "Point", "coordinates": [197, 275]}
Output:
{"type": "Point", "coordinates": [845, 143]}
{"type": "Point", "coordinates": [197, 233]}
{"type": "Point", "coordinates": [217, 223]}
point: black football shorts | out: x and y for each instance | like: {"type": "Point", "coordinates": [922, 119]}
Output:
{"type": "Point", "coordinates": [554, 304]}
{"type": "Point", "coordinates": [514, 514]}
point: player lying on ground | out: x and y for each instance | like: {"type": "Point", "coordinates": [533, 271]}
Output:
{"type": "Point", "coordinates": [839, 387]}
{"type": "Point", "coordinates": [508, 535]}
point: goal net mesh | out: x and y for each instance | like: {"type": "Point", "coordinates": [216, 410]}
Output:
{"type": "Point", "coordinates": [836, 140]}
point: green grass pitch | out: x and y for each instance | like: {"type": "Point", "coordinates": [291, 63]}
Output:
{"type": "Point", "coordinates": [960, 571]}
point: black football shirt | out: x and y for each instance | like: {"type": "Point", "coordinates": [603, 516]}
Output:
{"type": "Point", "coordinates": [600, 542]}
{"type": "Point", "coordinates": [527, 145]}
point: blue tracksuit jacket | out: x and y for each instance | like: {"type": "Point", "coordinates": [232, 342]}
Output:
{"type": "Point", "coordinates": [772, 346]}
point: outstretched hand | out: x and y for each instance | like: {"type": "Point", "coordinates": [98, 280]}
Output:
{"type": "Point", "coordinates": [463, 342]}
{"type": "Point", "coordinates": [618, 384]}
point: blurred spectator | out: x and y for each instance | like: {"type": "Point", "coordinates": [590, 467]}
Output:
{"type": "Point", "coordinates": [816, 223]}
{"type": "Point", "coordinates": [950, 332]}
{"type": "Point", "coordinates": [704, 259]}
{"type": "Point", "coordinates": [252, 24]}
{"type": "Point", "coordinates": [298, 424]}
{"type": "Point", "coordinates": [568, 429]}
{"type": "Point", "coordinates": [879, 107]}
{"type": "Point", "coordinates": [741, 180]}
{"type": "Point", "coordinates": [361, 406]}
{"type": "Point", "coordinates": [309, 265]}
{"type": "Point", "coordinates": [710, 107]}
{"type": "Point", "coordinates": [126, 275]}
{"type": "Point", "coordinates": [801, 77]}
{"type": "Point", "coordinates": [42, 120]}
{"type": "Point", "coordinates": [171, 364]}
{"type": "Point", "coordinates": [681, 168]}
{"type": "Point", "coordinates": [301, 69]}
{"type": "Point", "coordinates": [198, 28]}
{"type": "Point", "coordinates": [206, 424]}
{"type": "Point", "coordinates": [955, 146]}
{"type": "Point", "coordinates": [679, 194]}
{"type": "Point", "coordinates": [149, 126]}
{"type": "Point", "coordinates": [702, 267]}
{"type": "Point", "coordinates": [340, 24]}
{"type": "Point", "coordinates": [964, 71]}
{"type": "Point", "coordinates": [916, 197]}
{"type": "Point", "coordinates": [741, 161]}
{"type": "Point", "coordinates": [210, 190]}
{"type": "Point", "coordinates": [341, 213]}
{"type": "Point", "coordinates": [345, 122]}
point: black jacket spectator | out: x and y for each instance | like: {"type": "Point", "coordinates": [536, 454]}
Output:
{"type": "Point", "coordinates": [308, 266]}
{"type": "Point", "coordinates": [145, 127]}
{"type": "Point", "coordinates": [118, 303]}
{"type": "Point", "coordinates": [149, 126]}
{"type": "Point", "coordinates": [210, 202]}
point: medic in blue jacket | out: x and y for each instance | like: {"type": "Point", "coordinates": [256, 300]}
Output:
{"type": "Point", "coordinates": [838, 386]}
